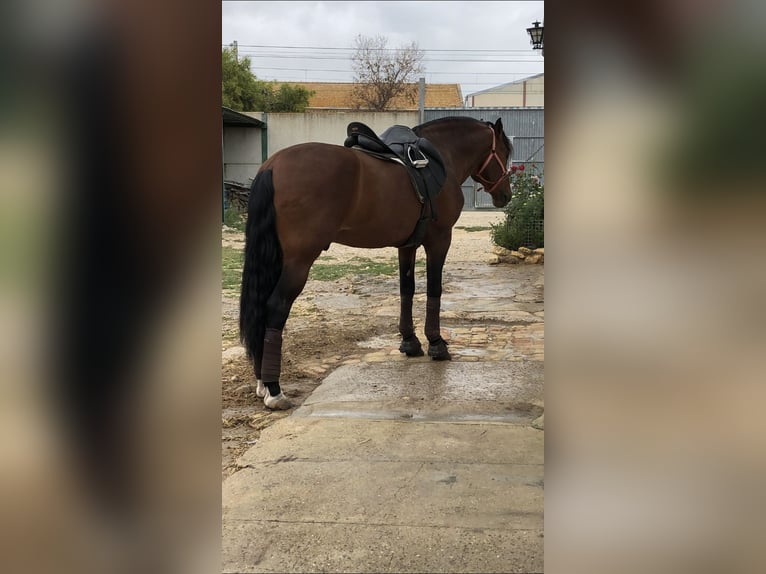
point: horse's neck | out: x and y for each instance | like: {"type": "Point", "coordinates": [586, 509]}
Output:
{"type": "Point", "coordinates": [462, 155]}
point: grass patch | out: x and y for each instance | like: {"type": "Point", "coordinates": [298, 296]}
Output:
{"type": "Point", "coordinates": [235, 219]}
{"type": "Point", "coordinates": [232, 260]}
{"type": "Point", "coordinates": [474, 228]}
{"type": "Point", "coordinates": [357, 266]}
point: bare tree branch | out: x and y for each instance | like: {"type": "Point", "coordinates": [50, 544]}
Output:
{"type": "Point", "coordinates": [382, 74]}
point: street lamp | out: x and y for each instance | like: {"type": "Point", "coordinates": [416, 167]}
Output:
{"type": "Point", "coordinates": [536, 36]}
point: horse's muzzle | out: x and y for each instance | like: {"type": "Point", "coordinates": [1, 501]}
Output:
{"type": "Point", "coordinates": [501, 199]}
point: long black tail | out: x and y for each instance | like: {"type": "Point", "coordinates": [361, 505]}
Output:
{"type": "Point", "coordinates": [263, 263]}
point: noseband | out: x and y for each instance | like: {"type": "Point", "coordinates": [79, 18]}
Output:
{"type": "Point", "coordinates": [489, 185]}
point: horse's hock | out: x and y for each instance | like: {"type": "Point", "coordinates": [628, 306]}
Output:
{"type": "Point", "coordinates": [522, 255]}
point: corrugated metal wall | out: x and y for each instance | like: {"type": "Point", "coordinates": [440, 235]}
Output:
{"type": "Point", "coordinates": [524, 126]}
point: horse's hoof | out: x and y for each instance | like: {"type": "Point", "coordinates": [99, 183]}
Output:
{"type": "Point", "coordinates": [278, 403]}
{"type": "Point", "coordinates": [411, 347]}
{"type": "Point", "coordinates": [438, 351]}
{"type": "Point", "coordinates": [260, 389]}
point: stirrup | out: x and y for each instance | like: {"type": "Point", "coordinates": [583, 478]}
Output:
{"type": "Point", "coordinates": [418, 163]}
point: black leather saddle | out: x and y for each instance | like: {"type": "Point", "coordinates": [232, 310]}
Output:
{"type": "Point", "coordinates": [419, 156]}
{"type": "Point", "coordinates": [396, 141]}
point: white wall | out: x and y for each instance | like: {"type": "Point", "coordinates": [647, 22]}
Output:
{"type": "Point", "coordinates": [242, 153]}
{"type": "Point", "coordinates": [328, 126]}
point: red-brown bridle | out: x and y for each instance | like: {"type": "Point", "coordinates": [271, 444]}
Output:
{"type": "Point", "coordinates": [492, 155]}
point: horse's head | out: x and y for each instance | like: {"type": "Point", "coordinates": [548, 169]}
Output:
{"type": "Point", "coordinates": [494, 174]}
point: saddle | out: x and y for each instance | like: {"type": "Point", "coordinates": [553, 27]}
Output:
{"type": "Point", "coordinates": [420, 158]}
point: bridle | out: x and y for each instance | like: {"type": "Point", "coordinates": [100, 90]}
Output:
{"type": "Point", "coordinates": [492, 155]}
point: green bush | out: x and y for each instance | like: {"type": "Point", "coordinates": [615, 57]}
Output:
{"type": "Point", "coordinates": [524, 214]}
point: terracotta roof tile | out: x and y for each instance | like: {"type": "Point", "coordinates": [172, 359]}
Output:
{"type": "Point", "coordinates": [338, 95]}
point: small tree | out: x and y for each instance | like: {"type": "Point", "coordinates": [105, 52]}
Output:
{"type": "Point", "coordinates": [382, 74]}
{"type": "Point", "coordinates": [242, 91]}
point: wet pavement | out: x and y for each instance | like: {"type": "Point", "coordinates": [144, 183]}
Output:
{"type": "Point", "coordinates": [430, 391]}
{"type": "Point", "coordinates": [409, 465]}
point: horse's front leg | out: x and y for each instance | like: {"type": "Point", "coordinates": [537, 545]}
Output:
{"type": "Point", "coordinates": [410, 344]}
{"type": "Point", "coordinates": [436, 254]}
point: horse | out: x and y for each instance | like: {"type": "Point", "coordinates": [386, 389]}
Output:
{"type": "Point", "coordinates": [309, 195]}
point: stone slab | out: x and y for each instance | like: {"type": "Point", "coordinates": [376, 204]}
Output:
{"type": "Point", "coordinates": [443, 494]}
{"type": "Point", "coordinates": [417, 390]}
{"type": "Point", "coordinates": [363, 441]}
{"type": "Point", "coordinates": [264, 546]}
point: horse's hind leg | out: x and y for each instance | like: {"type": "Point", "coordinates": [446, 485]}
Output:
{"type": "Point", "coordinates": [290, 284]}
{"type": "Point", "coordinates": [410, 343]}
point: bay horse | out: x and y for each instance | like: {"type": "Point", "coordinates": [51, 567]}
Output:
{"type": "Point", "coordinates": [309, 195]}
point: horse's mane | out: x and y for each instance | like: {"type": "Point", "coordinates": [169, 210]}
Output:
{"type": "Point", "coordinates": [417, 129]}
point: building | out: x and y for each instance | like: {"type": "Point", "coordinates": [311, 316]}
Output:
{"type": "Point", "coordinates": [244, 149]}
{"type": "Point", "coordinates": [527, 92]}
{"type": "Point", "coordinates": [338, 96]}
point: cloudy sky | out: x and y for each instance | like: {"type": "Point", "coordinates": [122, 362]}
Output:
{"type": "Point", "coordinates": [475, 44]}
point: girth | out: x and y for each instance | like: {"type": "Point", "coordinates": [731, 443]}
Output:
{"type": "Point", "coordinates": [419, 157]}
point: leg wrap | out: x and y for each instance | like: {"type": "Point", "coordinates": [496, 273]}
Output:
{"type": "Point", "coordinates": [433, 329]}
{"type": "Point", "coordinates": [406, 328]}
{"type": "Point", "coordinates": [272, 355]}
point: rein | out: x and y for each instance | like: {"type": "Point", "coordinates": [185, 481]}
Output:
{"type": "Point", "coordinates": [492, 155]}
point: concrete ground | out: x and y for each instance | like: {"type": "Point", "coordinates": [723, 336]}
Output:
{"type": "Point", "coordinates": [396, 465]}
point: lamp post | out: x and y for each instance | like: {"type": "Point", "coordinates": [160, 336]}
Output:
{"type": "Point", "coordinates": [536, 36]}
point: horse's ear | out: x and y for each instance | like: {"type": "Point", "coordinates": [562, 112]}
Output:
{"type": "Point", "coordinates": [499, 125]}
